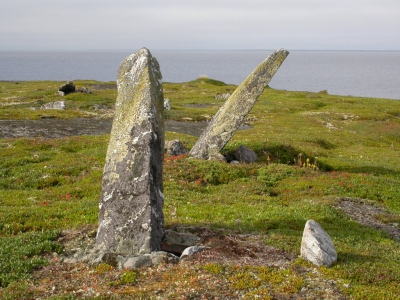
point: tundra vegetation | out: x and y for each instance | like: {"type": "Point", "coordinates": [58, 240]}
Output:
{"type": "Point", "coordinates": [314, 150]}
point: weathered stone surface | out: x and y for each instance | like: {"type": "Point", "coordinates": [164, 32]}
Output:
{"type": "Point", "coordinates": [245, 155]}
{"type": "Point", "coordinates": [189, 251]}
{"type": "Point", "coordinates": [317, 246]}
{"type": "Point", "coordinates": [232, 113]}
{"type": "Point", "coordinates": [54, 105]}
{"type": "Point", "coordinates": [131, 220]}
{"type": "Point", "coordinates": [176, 242]}
{"type": "Point", "coordinates": [175, 148]}
{"type": "Point", "coordinates": [67, 88]}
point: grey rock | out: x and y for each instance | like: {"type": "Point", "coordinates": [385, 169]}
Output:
{"type": "Point", "coordinates": [167, 104]}
{"type": "Point", "coordinates": [317, 246]}
{"type": "Point", "coordinates": [54, 105]}
{"type": "Point", "coordinates": [177, 242]}
{"type": "Point", "coordinates": [245, 155]}
{"type": "Point", "coordinates": [193, 250]}
{"type": "Point", "coordinates": [222, 96]}
{"type": "Point", "coordinates": [84, 90]}
{"type": "Point", "coordinates": [149, 260]}
{"type": "Point", "coordinates": [235, 109]}
{"type": "Point", "coordinates": [217, 157]}
{"type": "Point", "coordinates": [137, 262]}
{"type": "Point", "coordinates": [175, 148]}
{"type": "Point", "coordinates": [67, 88]}
{"type": "Point", "coordinates": [161, 257]}
{"type": "Point", "coordinates": [131, 220]}
{"type": "Point", "coordinates": [102, 257]}
{"type": "Point", "coordinates": [234, 162]}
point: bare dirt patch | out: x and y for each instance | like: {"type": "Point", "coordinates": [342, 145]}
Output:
{"type": "Point", "coordinates": [368, 215]}
{"type": "Point", "coordinates": [187, 280]}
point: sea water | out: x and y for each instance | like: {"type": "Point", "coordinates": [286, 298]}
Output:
{"type": "Point", "coordinates": [353, 73]}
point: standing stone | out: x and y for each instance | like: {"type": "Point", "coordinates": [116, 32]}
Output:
{"type": "Point", "coordinates": [232, 113]}
{"type": "Point", "coordinates": [317, 246]}
{"type": "Point", "coordinates": [131, 219]}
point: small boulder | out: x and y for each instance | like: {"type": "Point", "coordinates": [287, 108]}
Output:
{"type": "Point", "coordinates": [84, 90]}
{"type": "Point", "coordinates": [54, 105]}
{"type": "Point", "coordinates": [136, 262]}
{"type": "Point", "coordinates": [66, 89]}
{"type": "Point", "coordinates": [167, 104]}
{"type": "Point", "coordinates": [222, 96]}
{"type": "Point", "coordinates": [175, 148]}
{"type": "Point", "coordinates": [177, 242]}
{"type": "Point", "coordinates": [317, 246]}
{"type": "Point", "coordinates": [217, 157]}
{"type": "Point", "coordinates": [245, 155]}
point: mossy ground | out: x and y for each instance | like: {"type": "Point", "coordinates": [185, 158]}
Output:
{"type": "Point", "coordinates": [353, 150]}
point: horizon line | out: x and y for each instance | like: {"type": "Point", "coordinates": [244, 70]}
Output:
{"type": "Point", "coordinates": [191, 49]}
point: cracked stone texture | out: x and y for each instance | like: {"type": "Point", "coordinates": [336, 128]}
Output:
{"type": "Point", "coordinates": [131, 220]}
{"type": "Point", "coordinates": [235, 109]}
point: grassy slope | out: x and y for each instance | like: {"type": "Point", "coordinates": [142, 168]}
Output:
{"type": "Point", "coordinates": [55, 184]}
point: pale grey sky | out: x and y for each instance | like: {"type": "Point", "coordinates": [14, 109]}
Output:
{"type": "Point", "coordinates": [205, 24]}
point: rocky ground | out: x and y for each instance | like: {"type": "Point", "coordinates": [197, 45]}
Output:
{"type": "Point", "coordinates": [224, 249]}
{"type": "Point", "coordinates": [235, 250]}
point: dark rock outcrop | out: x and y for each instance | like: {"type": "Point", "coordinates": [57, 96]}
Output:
{"type": "Point", "coordinates": [66, 89]}
{"type": "Point", "coordinates": [244, 154]}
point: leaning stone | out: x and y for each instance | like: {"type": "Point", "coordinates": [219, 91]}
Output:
{"type": "Point", "coordinates": [175, 148]}
{"type": "Point", "coordinates": [232, 113]}
{"type": "Point", "coordinates": [177, 242]}
{"type": "Point", "coordinates": [193, 250]}
{"type": "Point", "coordinates": [54, 105]}
{"type": "Point", "coordinates": [317, 246]}
{"type": "Point", "coordinates": [131, 220]}
{"type": "Point", "coordinates": [245, 155]}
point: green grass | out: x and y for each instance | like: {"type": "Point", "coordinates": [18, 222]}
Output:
{"type": "Point", "coordinates": [22, 100]}
{"type": "Point", "coordinates": [54, 184]}
{"type": "Point", "coordinates": [20, 254]}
